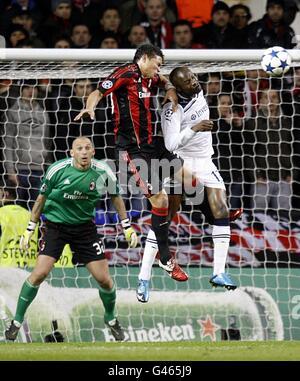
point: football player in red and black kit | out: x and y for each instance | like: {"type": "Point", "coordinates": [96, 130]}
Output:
{"type": "Point", "coordinates": [131, 86]}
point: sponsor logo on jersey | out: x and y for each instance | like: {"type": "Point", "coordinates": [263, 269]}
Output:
{"type": "Point", "coordinates": [92, 185]}
{"type": "Point", "coordinates": [67, 181]}
{"type": "Point", "coordinates": [146, 94]}
{"type": "Point", "coordinates": [77, 195]}
{"type": "Point", "coordinates": [199, 113]}
{"type": "Point", "coordinates": [107, 85]}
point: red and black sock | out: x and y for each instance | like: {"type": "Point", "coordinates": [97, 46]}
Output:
{"type": "Point", "coordinates": [160, 226]}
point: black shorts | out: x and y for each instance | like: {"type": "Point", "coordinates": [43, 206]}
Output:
{"type": "Point", "coordinates": [83, 240]}
{"type": "Point", "coordinates": [147, 170]}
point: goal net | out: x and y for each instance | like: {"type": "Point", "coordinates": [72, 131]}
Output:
{"type": "Point", "coordinates": [256, 142]}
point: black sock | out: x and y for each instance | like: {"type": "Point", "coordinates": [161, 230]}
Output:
{"type": "Point", "coordinates": [160, 226]}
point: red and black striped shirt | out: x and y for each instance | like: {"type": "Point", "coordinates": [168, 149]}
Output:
{"type": "Point", "coordinates": [131, 94]}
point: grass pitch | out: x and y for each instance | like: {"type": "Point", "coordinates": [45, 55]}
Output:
{"type": "Point", "coordinates": [175, 351]}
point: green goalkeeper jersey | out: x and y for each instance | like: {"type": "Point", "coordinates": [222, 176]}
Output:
{"type": "Point", "coordinates": [72, 193]}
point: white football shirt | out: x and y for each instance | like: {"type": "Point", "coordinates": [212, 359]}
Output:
{"type": "Point", "coordinates": [178, 135]}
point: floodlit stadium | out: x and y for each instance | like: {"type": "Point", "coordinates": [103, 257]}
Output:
{"type": "Point", "coordinates": [259, 320]}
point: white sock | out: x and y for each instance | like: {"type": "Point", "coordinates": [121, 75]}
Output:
{"type": "Point", "coordinates": [221, 239]}
{"type": "Point", "coordinates": [151, 249]}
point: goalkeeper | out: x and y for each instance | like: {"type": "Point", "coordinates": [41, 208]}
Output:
{"type": "Point", "coordinates": [68, 195]}
{"type": "Point", "coordinates": [187, 133]}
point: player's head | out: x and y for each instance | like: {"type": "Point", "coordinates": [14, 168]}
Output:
{"type": "Point", "coordinates": [82, 152]}
{"type": "Point", "coordinates": [185, 81]}
{"type": "Point", "coordinates": [149, 59]}
{"type": "Point", "coordinates": [7, 193]}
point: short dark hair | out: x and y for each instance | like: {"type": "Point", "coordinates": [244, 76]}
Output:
{"type": "Point", "coordinates": [150, 50]}
{"type": "Point", "coordinates": [241, 6]}
{"type": "Point", "coordinates": [174, 73]}
{"type": "Point", "coordinates": [182, 22]}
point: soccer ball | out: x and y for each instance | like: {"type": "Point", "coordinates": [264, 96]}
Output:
{"type": "Point", "coordinates": [276, 61]}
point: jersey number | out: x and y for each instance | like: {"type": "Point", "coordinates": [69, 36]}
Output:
{"type": "Point", "coordinates": [99, 247]}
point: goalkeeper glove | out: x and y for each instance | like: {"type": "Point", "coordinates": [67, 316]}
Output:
{"type": "Point", "coordinates": [26, 237]}
{"type": "Point", "coordinates": [129, 233]}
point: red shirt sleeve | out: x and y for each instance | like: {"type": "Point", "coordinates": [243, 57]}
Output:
{"type": "Point", "coordinates": [120, 77]}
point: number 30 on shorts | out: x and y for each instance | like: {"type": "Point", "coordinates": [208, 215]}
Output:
{"type": "Point", "coordinates": [99, 247]}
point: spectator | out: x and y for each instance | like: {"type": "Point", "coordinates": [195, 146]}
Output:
{"type": "Point", "coordinates": [137, 36]}
{"type": "Point", "coordinates": [88, 12]}
{"type": "Point", "coordinates": [272, 29]}
{"type": "Point", "coordinates": [109, 22]}
{"type": "Point", "coordinates": [211, 84]}
{"type": "Point", "coordinates": [239, 18]}
{"type": "Point", "coordinates": [183, 36]}
{"type": "Point", "coordinates": [246, 91]}
{"type": "Point", "coordinates": [7, 99]}
{"type": "Point", "coordinates": [271, 154]}
{"type": "Point", "coordinates": [27, 143]}
{"type": "Point", "coordinates": [63, 42]}
{"type": "Point", "coordinates": [59, 22]}
{"type": "Point", "coordinates": [16, 6]}
{"type": "Point", "coordinates": [66, 130]}
{"type": "Point", "coordinates": [291, 8]}
{"type": "Point", "coordinates": [133, 13]}
{"type": "Point", "coordinates": [13, 220]}
{"type": "Point", "coordinates": [218, 33]}
{"type": "Point", "coordinates": [15, 34]}
{"type": "Point", "coordinates": [25, 19]}
{"type": "Point", "coordinates": [158, 30]}
{"type": "Point", "coordinates": [81, 36]}
{"type": "Point", "coordinates": [109, 41]}
{"type": "Point", "coordinates": [227, 142]}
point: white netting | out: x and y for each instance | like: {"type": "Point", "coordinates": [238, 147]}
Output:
{"type": "Point", "coordinates": [257, 154]}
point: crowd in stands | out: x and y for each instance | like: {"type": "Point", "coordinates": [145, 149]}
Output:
{"type": "Point", "coordinates": [177, 24]}
{"type": "Point", "coordinates": [257, 119]}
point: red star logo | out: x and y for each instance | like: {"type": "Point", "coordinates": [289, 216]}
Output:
{"type": "Point", "coordinates": [208, 328]}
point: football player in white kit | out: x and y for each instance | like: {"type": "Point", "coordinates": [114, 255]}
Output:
{"type": "Point", "coordinates": [187, 133]}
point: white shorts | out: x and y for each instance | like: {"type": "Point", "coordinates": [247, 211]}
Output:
{"type": "Point", "coordinates": [205, 171]}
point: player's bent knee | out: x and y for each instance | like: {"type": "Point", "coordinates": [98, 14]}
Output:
{"type": "Point", "coordinates": [106, 283]}
{"type": "Point", "coordinates": [37, 277]}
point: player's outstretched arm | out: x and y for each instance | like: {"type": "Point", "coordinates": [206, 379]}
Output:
{"type": "Point", "coordinates": [34, 218]}
{"type": "Point", "coordinates": [129, 233]}
{"type": "Point", "coordinates": [91, 103]}
{"type": "Point", "coordinates": [171, 94]}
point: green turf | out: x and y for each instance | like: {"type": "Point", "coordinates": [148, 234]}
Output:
{"type": "Point", "coordinates": [236, 351]}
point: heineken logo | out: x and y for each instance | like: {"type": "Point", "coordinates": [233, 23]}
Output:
{"type": "Point", "coordinates": [160, 332]}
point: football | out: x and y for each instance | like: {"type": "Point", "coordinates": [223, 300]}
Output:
{"type": "Point", "coordinates": [276, 61]}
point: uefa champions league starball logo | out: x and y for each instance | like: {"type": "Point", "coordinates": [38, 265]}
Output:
{"type": "Point", "coordinates": [107, 85]}
{"type": "Point", "coordinates": [168, 114]}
